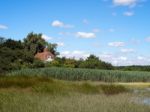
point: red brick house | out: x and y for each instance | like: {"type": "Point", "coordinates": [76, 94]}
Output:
{"type": "Point", "coordinates": [45, 55]}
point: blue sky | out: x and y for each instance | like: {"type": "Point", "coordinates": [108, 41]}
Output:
{"type": "Point", "coordinates": [118, 31]}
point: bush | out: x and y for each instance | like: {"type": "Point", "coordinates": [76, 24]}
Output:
{"type": "Point", "coordinates": [38, 64]}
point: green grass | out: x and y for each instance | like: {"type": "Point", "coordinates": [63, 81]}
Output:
{"type": "Point", "coordinates": [113, 89]}
{"type": "Point", "coordinates": [21, 81]}
{"type": "Point", "coordinates": [75, 74]}
{"type": "Point", "coordinates": [43, 94]}
{"type": "Point", "coordinates": [48, 85]}
{"type": "Point", "coordinates": [29, 102]}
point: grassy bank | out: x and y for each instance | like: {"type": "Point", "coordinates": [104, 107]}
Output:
{"type": "Point", "coordinates": [51, 86]}
{"type": "Point", "coordinates": [43, 94]}
{"type": "Point", "coordinates": [86, 74]}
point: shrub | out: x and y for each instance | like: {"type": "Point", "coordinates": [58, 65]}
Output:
{"type": "Point", "coordinates": [38, 64]}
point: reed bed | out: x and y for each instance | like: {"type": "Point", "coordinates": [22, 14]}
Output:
{"type": "Point", "coordinates": [77, 74]}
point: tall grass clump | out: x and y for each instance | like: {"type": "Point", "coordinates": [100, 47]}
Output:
{"type": "Point", "coordinates": [85, 74]}
{"type": "Point", "coordinates": [21, 81]}
{"type": "Point", "coordinates": [56, 87]}
{"type": "Point", "coordinates": [112, 89]}
{"type": "Point", "coordinates": [86, 88]}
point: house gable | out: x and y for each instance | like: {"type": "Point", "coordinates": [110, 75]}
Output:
{"type": "Point", "coordinates": [45, 55]}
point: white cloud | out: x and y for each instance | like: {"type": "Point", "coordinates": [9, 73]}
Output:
{"type": "Point", "coordinates": [123, 58]}
{"type": "Point", "coordinates": [85, 35]}
{"type": "Point", "coordinates": [125, 2]}
{"type": "Point", "coordinates": [77, 54]}
{"type": "Point", "coordinates": [3, 27]}
{"type": "Point", "coordinates": [46, 37]}
{"type": "Point", "coordinates": [127, 50]}
{"type": "Point", "coordinates": [65, 53]}
{"type": "Point", "coordinates": [116, 44]}
{"type": "Point", "coordinates": [128, 13]}
{"type": "Point", "coordinates": [114, 59]}
{"type": "Point", "coordinates": [57, 23]}
{"type": "Point", "coordinates": [60, 44]}
{"type": "Point", "coordinates": [140, 58]}
{"type": "Point", "coordinates": [60, 24]}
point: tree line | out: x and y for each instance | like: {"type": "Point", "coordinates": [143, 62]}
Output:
{"type": "Point", "coordinates": [16, 54]}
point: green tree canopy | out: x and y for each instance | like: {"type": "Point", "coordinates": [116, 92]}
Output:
{"type": "Point", "coordinates": [53, 48]}
{"type": "Point", "coordinates": [34, 43]}
{"type": "Point", "coordinates": [94, 62]}
{"type": "Point", "coordinates": [13, 44]}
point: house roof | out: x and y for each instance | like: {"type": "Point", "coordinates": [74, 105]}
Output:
{"type": "Point", "coordinates": [45, 55]}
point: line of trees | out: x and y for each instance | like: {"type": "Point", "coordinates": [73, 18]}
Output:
{"type": "Point", "coordinates": [20, 54]}
{"type": "Point", "coordinates": [16, 55]}
{"type": "Point", "coordinates": [91, 62]}
{"type": "Point", "coordinates": [134, 68]}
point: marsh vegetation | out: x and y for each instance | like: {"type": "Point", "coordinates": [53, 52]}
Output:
{"type": "Point", "coordinates": [44, 94]}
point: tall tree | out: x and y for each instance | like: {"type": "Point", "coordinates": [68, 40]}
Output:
{"type": "Point", "coordinates": [34, 43]}
{"type": "Point", "coordinates": [53, 48]}
{"type": "Point", "coordinates": [94, 62]}
{"type": "Point", "coordinates": [13, 44]}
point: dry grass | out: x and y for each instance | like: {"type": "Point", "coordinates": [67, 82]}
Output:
{"type": "Point", "coordinates": [48, 85]}
{"type": "Point", "coordinates": [42, 94]}
{"type": "Point", "coordinates": [25, 102]}
{"type": "Point", "coordinates": [136, 84]}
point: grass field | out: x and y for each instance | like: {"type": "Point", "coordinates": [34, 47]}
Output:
{"type": "Point", "coordinates": [42, 94]}
{"type": "Point", "coordinates": [75, 74]}
{"type": "Point", "coordinates": [79, 90]}
{"type": "Point", "coordinates": [29, 102]}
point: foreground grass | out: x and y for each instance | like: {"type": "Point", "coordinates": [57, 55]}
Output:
{"type": "Point", "coordinates": [42, 94]}
{"type": "Point", "coordinates": [31, 102]}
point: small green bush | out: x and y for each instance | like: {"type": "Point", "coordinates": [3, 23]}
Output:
{"type": "Point", "coordinates": [38, 64]}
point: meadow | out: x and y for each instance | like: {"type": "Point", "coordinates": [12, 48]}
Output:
{"type": "Point", "coordinates": [79, 90]}
{"type": "Point", "coordinates": [40, 94]}
{"type": "Point", "coordinates": [29, 102]}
